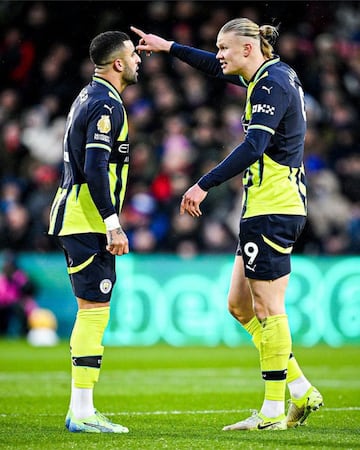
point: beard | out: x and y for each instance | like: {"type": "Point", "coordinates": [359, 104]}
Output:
{"type": "Point", "coordinates": [130, 77]}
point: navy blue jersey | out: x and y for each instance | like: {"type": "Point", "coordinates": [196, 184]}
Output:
{"type": "Point", "coordinates": [274, 120]}
{"type": "Point", "coordinates": [96, 159]}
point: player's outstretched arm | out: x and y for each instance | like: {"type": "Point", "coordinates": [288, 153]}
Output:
{"type": "Point", "coordinates": [202, 60]}
{"type": "Point", "coordinates": [151, 42]}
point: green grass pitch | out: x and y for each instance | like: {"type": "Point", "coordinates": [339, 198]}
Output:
{"type": "Point", "coordinates": [172, 398]}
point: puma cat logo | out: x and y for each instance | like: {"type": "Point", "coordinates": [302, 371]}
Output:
{"type": "Point", "coordinates": [267, 89]}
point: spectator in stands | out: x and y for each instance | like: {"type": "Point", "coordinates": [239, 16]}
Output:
{"type": "Point", "coordinates": [16, 298]}
{"type": "Point", "coordinates": [17, 56]}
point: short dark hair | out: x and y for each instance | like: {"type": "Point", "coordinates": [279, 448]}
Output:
{"type": "Point", "coordinates": [104, 44]}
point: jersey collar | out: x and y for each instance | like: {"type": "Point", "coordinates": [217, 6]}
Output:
{"type": "Point", "coordinates": [113, 92]}
{"type": "Point", "coordinates": [261, 70]}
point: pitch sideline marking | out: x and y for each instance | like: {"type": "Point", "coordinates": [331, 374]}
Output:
{"type": "Point", "coordinates": [175, 412]}
{"type": "Point", "coordinates": [215, 411]}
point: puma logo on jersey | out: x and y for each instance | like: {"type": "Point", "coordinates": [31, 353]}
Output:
{"type": "Point", "coordinates": [267, 89]}
{"type": "Point", "coordinates": [110, 108]}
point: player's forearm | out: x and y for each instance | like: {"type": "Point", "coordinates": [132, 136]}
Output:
{"type": "Point", "coordinates": [199, 59]}
{"type": "Point", "coordinates": [239, 159]}
{"type": "Point", "coordinates": [204, 61]}
{"type": "Point", "coordinates": [98, 182]}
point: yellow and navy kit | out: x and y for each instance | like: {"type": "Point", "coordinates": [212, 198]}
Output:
{"type": "Point", "coordinates": [96, 160]}
{"type": "Point", "coordinates": [271, 156]}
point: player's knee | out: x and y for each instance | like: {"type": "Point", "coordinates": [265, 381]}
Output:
{"type": "Point", "coordinates": [238, 313]}
{"type": "Point", "coordinates": [240, 306]}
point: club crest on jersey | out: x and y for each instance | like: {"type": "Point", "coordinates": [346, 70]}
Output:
{"type": "Point", "coordinates": [104, 124]}
{"type": "Point", "coordinates": [105, 286]}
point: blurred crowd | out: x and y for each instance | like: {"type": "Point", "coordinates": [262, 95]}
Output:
{"type": "Point", "coordinates": [182, 122]}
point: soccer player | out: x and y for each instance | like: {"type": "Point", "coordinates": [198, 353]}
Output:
{"type": "Point", "coordinates": [274, 210]}
{"type": "Point", "coordinates": [85, 214]}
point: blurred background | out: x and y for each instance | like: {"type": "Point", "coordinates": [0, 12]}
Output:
{"type": "Point", "coordinates": [182, 123]}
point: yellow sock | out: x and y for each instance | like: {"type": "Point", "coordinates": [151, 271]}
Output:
{"type": "Point", "coordinates": [275, 348]}
{"type": "Point", "coordinates": [253, 327]}
{"type": "Point", "coordinates": [294, 370]}
{"type": "Point", "coordinates": [86, 345]}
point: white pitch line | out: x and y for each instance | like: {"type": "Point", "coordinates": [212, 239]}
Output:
{"type": "Point", "coordinates": [176, 412]}
{"type": "Point", "coordinates": [215, 411]}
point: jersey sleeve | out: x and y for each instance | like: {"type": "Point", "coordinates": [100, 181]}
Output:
{"type": "Point", "coordinates": [240, 158]}
{"type": "Point", "coordinates": [204, 61]}
{"type": "Point", "coordinates": [103, 124]}
{"type": "Point", "coordinates": [269, 102]}
{"type": "Point", "coordinates": [102, 132]}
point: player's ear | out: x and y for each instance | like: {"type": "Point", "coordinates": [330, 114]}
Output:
{"type": "Point", "coordinates": [118, 65]}
{"type": "Point", "coordinates": [247, 49]}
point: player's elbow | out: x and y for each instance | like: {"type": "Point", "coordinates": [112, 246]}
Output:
{"type": "Point", "coordinates": [257, 141]}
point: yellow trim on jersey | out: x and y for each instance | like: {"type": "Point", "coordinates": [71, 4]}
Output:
{"type": "Point", "coordinates": [112, 91]}
{"type": "Point", "coordinates": [272, 188]}
{"type": "Point", "coordinates": [81, 214]}
{"type": "Point", "coordinates": [259, 73]}
{"type": "Point", "coordinates": [55, 208]}
{"type": "Point", "coordinates": [277, 247]}
{"type": "Point", "coordinates": [125, 129]}
{"type": "Point", "coordinates": [268, 63]}
{"type": "Point", "coordinates": [261, 127]}
{"type": "Point", "coordinates": [103, 146]}
{"type": "Point", "coordinates": [82, 266]}
{"type": "Point", "coordinates": [124, 176]}
{"type": "Point", "coordinates": [248, 106]}
{"type": "Point", "coordinates": [302, 187]}
{"type": "Point", "coordinates": [112, 181]}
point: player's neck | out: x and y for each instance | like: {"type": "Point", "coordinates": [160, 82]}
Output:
{"type": "Point", "coordinates": [253, 67]}
{"type": "Point", "coordinates": [112, 78]}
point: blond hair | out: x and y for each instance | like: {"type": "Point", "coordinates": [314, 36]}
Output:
{"type": "Point", "coordinates": [246, 27]}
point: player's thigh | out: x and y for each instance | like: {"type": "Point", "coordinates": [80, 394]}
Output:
{"type": "Point", "coordinates": [91, 267]}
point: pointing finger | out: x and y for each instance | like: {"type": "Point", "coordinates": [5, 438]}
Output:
{"type": "Point", "coordinates": [138, 31]}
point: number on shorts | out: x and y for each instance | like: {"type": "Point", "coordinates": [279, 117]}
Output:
{"type": "Point", "coordinates": [251, 250]}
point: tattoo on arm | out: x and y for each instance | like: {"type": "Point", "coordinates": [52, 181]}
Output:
{"type": "Point", "coordinates": [117, 231]}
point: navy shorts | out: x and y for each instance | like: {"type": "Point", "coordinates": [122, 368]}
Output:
{"type": "Point", "coordinates": [90, 266]}
{"type": "Point", "coordinates": [266, 242]}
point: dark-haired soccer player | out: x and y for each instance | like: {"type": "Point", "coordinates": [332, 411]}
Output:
{"type": "Point", "coordinates": [85, 214]}
{"type": "Point", "coordinates": [274, 211]}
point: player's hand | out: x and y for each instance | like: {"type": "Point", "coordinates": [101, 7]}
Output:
{"type": "Point", "coordinates": [117, 242]}
{"type": "Point", "coordinates": [191, 201]}
{"type": "Point", "coordinates": [151, 42]}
